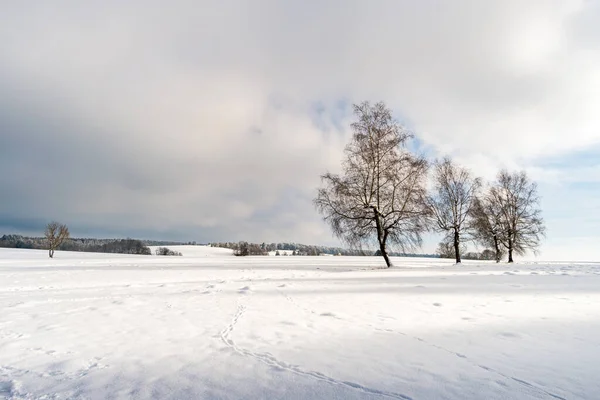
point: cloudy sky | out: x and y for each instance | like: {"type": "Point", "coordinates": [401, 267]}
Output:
{"type": "Point", "coordinates": [212, 120]}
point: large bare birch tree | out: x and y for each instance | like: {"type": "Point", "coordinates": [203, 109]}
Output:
{"type": "Point", "coordinates": [379, 196]}
{"type": "Point", "coordinates": [450, 204]}
{"type": "Point", "coordinates": [521, 222]}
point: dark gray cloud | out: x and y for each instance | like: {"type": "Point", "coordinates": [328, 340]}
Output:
{"type": "Point", "coordinates": [213, 120]}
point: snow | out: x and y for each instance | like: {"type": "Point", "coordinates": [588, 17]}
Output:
{"type": "Point", "coordinates": [197, 251]}
{"type": "Point", "coordinates": [212, 326]}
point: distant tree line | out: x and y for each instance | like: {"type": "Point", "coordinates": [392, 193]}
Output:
{"type": "Point", "coordinates": [251, 249]}
{"type": "Point", "coordinates": [22, 242]}
{"type": "Point", "coordinates": [382, 197]}
{"type": "Point", "coordinates": [403, 254]}
{"type": "Point", "coordinates": [166, 243]}
{"type": "Point", "coordinates": [246, 249]}
{"type": "Point", "coordinates": [121, 246]}
{"type": "Point", "coordinates": [297, 249]}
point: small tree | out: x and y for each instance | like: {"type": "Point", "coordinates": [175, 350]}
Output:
{"type": "Point", "coordinates": [379, 197]}
{"type": "Point", "coordinates": [56, 233]}
{"type": "Point", "coordinates": [450, 205]}
{"type": "Point", "coordinates": [521, 222]}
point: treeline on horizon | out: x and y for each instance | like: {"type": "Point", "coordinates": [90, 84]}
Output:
{"type": "Point", "coordinates": [90, 245]}
{"type": "Point", "coordinates": [254, 249]}
{"type": "Point", "coordinates": [136, 246]}
{"type": "Point", "coordinates": [242, 248]}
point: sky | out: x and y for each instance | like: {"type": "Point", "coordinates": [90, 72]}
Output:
{"type": "Point", "coordinates": [212, 121]}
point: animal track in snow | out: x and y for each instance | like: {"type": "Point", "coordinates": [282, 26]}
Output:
{"type": "Point", "coordinates": [270, 360]}
{"type": "Point", "coordinates": [484, 367]}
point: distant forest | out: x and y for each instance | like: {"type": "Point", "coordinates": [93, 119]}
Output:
{"type": "Point", "coordinates": [120, 246]}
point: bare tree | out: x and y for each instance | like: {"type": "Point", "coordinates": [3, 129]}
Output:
{"type": "Point", "coordinates": [455, 191]}
{"type": "Point", "coordinates": [486, 224]}
{"type": "Point", "coordinates": [522, 226]}
{"type": "Point", "coordinates": [56, 233]}
{"type": "Point", "coordinates": [379, 197]}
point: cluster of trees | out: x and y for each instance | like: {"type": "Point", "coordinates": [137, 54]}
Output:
{"type": "Point", "coordinates": [381, 196]}
{"type": "Point", "coordinates": [504, 216]}
{"type": "Point", "coordinates": [249, 249]}
{"type": "Point", "coordinates": [124, 246]}
{"type": "Point", "coordinates": [165, 251]}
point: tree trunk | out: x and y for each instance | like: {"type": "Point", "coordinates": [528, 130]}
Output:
{"type": "Point", "coordinates": [510, 251]}
{"type": "Point", "coordinates": [51, 253]}
{"type": "Point", "coordinates": [381, 238]}
{"type": "Point", "coordinates": [457, 246]}
{"type": "Point", "coordinates": [497, 248]}
{"type": "Point", "coordinates": [384, 254]}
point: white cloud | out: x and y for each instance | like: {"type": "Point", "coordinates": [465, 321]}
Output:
{"type": "Point", "coordinates": [201, 114]}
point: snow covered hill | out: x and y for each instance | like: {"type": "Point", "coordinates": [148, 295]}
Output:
{"type": "Point", "coordinates": [198, 251]}
{"type": "Point", "coordinates": [208, 325]}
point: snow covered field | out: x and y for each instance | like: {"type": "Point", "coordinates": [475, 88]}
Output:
{"type": "Point", "coordinates": [212, 326]}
